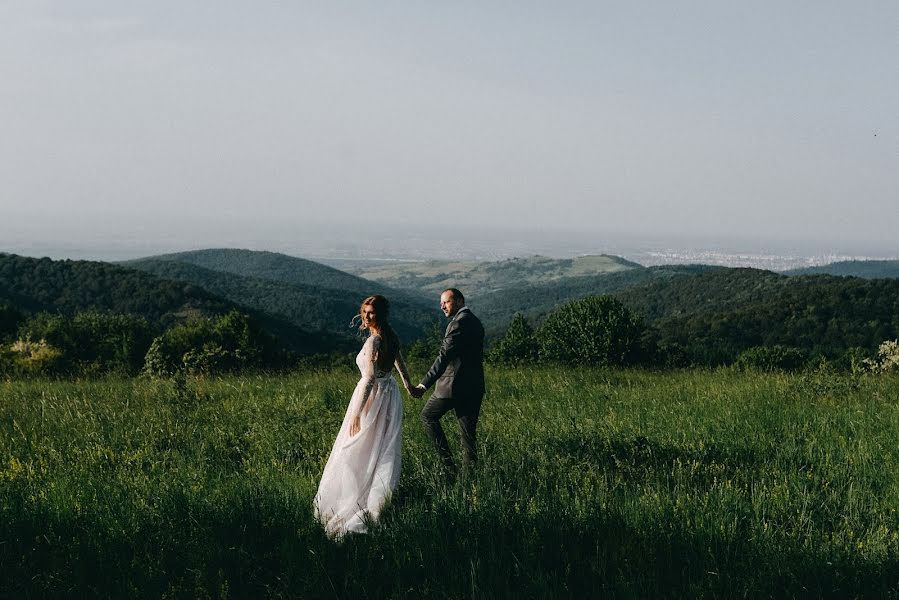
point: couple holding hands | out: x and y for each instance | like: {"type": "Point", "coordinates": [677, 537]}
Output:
{"type": "Point", "coordinates": [364, 466]}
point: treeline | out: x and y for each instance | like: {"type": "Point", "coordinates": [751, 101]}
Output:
{"type": "Point", "coordinates": [94, 343]}
{"type": "Point", "coordinates": [845, 329]}
{"type": "Point", "coordinates": [84, 317]}
{"type": "Point", "coordinates": [310, 305]}
{"type": "Point", "coordinates": [712, 318]}
{"type": "Point", "coordinates": [67, 286]}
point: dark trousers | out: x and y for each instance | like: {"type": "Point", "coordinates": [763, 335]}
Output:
{"type": "Point", "coordinates": [467, 412]}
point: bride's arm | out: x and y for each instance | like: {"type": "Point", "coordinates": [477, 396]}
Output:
{"type": "Point", "coordinates": [368, 376]}
{"type": "Point", "coordinates": [401, 368]}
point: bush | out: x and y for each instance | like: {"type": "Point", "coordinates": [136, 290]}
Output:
{"type": "Point", "coordinates": [771, 358]}
{"type": "Point", "coordinates": [517, 346]}
{"type": "Point", "coordinates": [206, 346]}
{"type": "Point", "coordinates": [30, 358]}
{"type": "Point", "coordinates": [93, 342]}
{"type": "Point", "coordinates": [887, 359]}
{"type": "Point", "coordinates": [426, 348]}
{"type": "Point", "coordinates": [597, 330]}
{"type": "Point", "coordinates": [10, 318]}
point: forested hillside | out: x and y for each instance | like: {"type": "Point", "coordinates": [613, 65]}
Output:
{"type": "Point", "coordinates": [69, 286]}
{"type": "Point", "coordinates": [711, 315]}
{"type": "Point", "coordinates": [693, 315]}
{"type": "Point", "coordinates": [310, 306]}
{"type": "Point", "coordinates": [283, 269]}
{"type": "Point", "coordinates": [31, 286]}
{"type": "Point", "coordinates": [534, 301]}
{"type": "Point", "coordinates": [868, 269]}
{"type": "Point", "coordinates": [714, 316]}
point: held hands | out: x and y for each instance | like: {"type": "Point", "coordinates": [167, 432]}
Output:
{"type": "Point", "coordinates": [417, 391]}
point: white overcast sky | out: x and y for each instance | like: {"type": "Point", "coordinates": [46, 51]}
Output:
{"type": "Point", "coordinates": [717, 118]}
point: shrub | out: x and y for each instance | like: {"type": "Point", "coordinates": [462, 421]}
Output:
{"type": "Point", "coordinates": [426, 348]}
{"type": "Point", "coordinates": [597, 330]}
{"type": "Point", "coordinates": [887, 359]}
{"type": "Point", "coordinates": [93, 342]}
{"type": "Point", "coordinates": [30, 358]}
{"type": "Point", "coordinates": [9, 321]}
{"type": "Point", "coordinates": [229, 343]}
{"type": "Point", "coordinates": [517, 346]}
{"type": "Point", "coordinates": [771, 358]}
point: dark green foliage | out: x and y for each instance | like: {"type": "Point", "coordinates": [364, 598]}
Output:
{"type": "Point", "coordinates": [10, 318]}
{"type": "Point", "coordinates": [31, 357]}
{"type": "Point", "coordinates": [716, 315]}
{"type": "Point", "coordinates": [225, 344]}
{"type": "Point", "coordinates": [518, 345]}
{"type": "Point", "coordinates": [67, 287]}
{"type": "Point", "coordinates": [771, 358]}
{"type": "Point", "coordinates": [594, 331]}
{"type": "Point", "coordinates": [868, 269]}
{"type": "Point", "coordinates": [536, 301]}
{"type": "Point", "coordinates": [93, 342]}
{"type": "Point", "coordinates": [298, 300]}
{"type": "Point", "coordinates": [272, 266]}
{"type": "Point", "coordinates": [425, 349]}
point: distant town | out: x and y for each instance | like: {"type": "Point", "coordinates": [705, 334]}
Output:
{"type": "Point", "coordinates": [432, 243]}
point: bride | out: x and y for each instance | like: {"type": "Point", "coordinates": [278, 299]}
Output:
{"type": "Point", "coordinates": [364, 466]}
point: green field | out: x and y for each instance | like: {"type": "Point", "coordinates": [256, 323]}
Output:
{"type": "Point", "coordinates": [613, 483]}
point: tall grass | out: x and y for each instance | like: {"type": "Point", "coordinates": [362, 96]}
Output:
{"type": "Point", "coordinates": [618, 483]}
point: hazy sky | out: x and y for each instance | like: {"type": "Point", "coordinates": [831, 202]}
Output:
{"type": "Point", "coordinates": [140, 119]}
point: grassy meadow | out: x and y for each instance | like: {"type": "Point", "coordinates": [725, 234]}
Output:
{"type": "Point", "coordinates": [613, 483]}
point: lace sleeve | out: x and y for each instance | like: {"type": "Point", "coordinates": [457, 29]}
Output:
{"type": "Point", "coordinates": [369, 368]}
{"type": "Point", "coordinates": [401, 368]}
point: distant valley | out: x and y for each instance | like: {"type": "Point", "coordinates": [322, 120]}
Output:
{"type": "Point", "coordinates": [480, 277]}
{"type": "Point", "coordinates": [708, 314]}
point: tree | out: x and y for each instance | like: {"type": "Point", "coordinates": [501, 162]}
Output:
{"type": "Point", "coordinates": [426, 348]}
{"type": "Point", "coordinates": [229, 343]}
{"type": "Point", "coordinates": [771, 358]}
{"type": "Point", "coordinates": [595, 331]}
{"type": "Point", "coordinates": [9, 320]}
{"type": "Point", "coordinates": [93, 342]}
{"type": "Point", "coordinates": [517, 346]}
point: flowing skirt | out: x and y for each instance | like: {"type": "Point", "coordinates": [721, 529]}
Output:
{"type": "Point", "coordinates": [364, 469]}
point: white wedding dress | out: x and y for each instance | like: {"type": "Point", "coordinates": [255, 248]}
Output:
{"type": "Point", "coordinates": [364, 469]}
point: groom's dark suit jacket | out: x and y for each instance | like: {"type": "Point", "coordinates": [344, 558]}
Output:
{"type": "Point", "coordinates": [459, 367]}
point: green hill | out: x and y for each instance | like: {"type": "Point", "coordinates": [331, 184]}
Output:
{"type": "Point", "coordinates": [479, 278]}
{"type": "Point", "coordinates": [34, 285]}
{"type": "Point", "coordinates": [309, 306]}
{"type": "Point", "coordinates": [535, 300]}
{"type": "Point", "coordinates": [282, 268]}
{"type": "Point", "coordinates": [715, 315]}
{"type": "Point", "coordinates": [709, 315]}
{"type": "Point", "coordinates": [868, 269]}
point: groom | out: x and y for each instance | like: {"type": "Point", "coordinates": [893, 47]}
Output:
{"type": "Point", "coordinates": [459, 374]}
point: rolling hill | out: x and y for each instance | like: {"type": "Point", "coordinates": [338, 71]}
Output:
{"type": "Point", "coordinates": [273, 266]}
{"type": "Point", "coordinates": [708, 315]}
{"type": "Point", "coordinates": [33, 285]}
{"type": "Point", "coordinates": [480, 278]}
{"type": "Point", "coordinates": [867, 269]}
{"type": "Point", "coordinates": [309, 306]}
{"type": "Point", "coordinates": [715, 315]}
{"type": "Point", "coordinates": [534, 300]}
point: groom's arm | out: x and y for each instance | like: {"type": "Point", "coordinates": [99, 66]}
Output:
{"type": "Point", "coordinates": [449, 350]}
